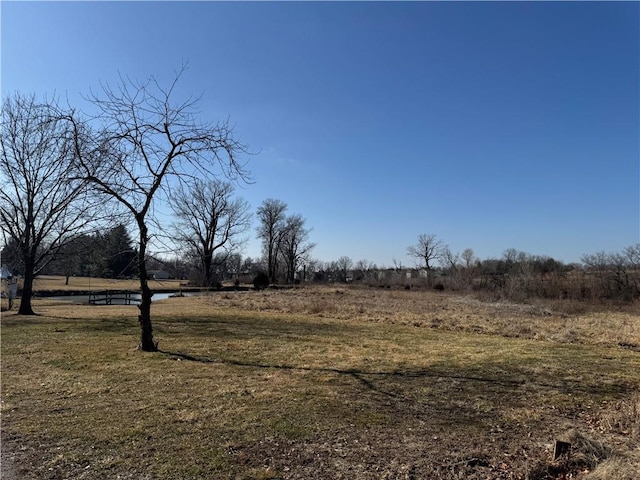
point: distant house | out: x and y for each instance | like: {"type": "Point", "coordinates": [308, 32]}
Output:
{"type": "Point", "coordinates": [9, 284]}
{"type": "Point", "coordinates": [159, 275]}
{"type": "Point", "coordinates": [5, 273]}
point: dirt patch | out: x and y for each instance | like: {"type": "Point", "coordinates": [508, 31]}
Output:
{"type": "Point", "coordinates": [7, 460]}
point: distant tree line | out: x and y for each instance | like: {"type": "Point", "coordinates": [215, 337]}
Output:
{"type": "Point", "coordinates": [516, 276]}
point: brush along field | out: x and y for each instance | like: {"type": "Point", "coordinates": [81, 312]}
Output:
{"type": "Point", "coordinates": [321, 383]}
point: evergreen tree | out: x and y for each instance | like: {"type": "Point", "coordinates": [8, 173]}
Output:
{"type": "Point", "coordinates": [118, 254]}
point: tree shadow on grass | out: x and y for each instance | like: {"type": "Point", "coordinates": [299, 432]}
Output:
{"type": "Point", "coordinates": [371, 379]}
{"type": "Point", "coordinates": [358, 374]}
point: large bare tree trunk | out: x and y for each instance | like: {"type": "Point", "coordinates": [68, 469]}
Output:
{"type": "Point", "coordinates": [27, 293]}
{"type": "Point", "coordinates": [207, 260]}
{"type": "Point", "coordinates": [146, 330]}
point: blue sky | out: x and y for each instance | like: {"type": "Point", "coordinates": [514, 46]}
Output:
{"type": "Point", "coordinates": [492, 125]}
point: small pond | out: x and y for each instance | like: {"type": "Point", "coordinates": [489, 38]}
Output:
{"type": "Point", "coordinates": [84, 299]}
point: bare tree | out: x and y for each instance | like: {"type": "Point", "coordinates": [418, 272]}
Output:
{"type": "Point", "coordinates": [145, 139]}
{"type": "Point", "coordinates": [617, 273]}
{"type": "Point", "coordinates": [343, 265]}
{"type": "Point", "coordinates": [470, 262]}
{"type": "Point", "coordinates": [468, 257]}
{"type": "Point", "coordinates": [42, 207]}
{"type": "Point", "coordinates": [362, 269]}
{"type": "Point", "coordinates": [449, 259]}
{"type": "Point", "coordinates": [210, 221]}
{"type": "Point", "coordinates": [271, 215]}
{"type": "Point", "coordinates": [428, 249]}
{"type": "Point", "coordinates": [293, 244]}
{"type": "Point", "coordinates": [632, 252]}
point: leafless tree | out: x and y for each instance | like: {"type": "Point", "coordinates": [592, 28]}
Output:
{"type": "Point", "coordinates": [618, 274]}
{"type": "Point", "coordinates": [631, 267]}
{"type": "Point", "coordinates": [428, 249]}
{"type": "Point", "coordinates": [271, 215]}
{"type": "Point", "coordinates": [42, 207]}
{"type": "Point", "coordinates": [145, 139]}
{"type": "Point", "coordinates": [632, 252]}
{"type": "Point", "coordinates": [343, 265]}
{"type": "Point", "coordinates": [294, 245]}
{"type": "Point", "coordinates": [362, 269]}
{"type": "Point", "coordinates": [449, 259]}
{"type": "Point", "coordinates": [470, 262]}
{"type": "Point", "coordinates": [209, 221]}
{"type": "Point", "coordinates": [468, 257]}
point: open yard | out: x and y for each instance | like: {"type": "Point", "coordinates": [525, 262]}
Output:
{"type": "Point", "coordinates": [59, 284]}
{"type": "Point", "coordinates": [321, 383]}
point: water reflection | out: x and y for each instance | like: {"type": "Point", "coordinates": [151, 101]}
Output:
{"type": "Point", "coordinates": [135, 298]}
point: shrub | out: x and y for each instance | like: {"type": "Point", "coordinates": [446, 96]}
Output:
{"type": "Point", "coordinates": [261, 281]}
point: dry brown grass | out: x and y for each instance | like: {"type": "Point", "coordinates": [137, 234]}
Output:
{"type": "Point", "coordinates": [622, 419]}
{"type": "Point", "coordinates": [316, 383]}
{"type": "Point", "coordinates": [445, 312]}
{"type": "Point", "coordinates": [58, 283]}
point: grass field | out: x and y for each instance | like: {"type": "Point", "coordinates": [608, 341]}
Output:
{"type": "Point", "coordinates": [321, 383]}
{"type": "Point", "coordinates": [54, 283]}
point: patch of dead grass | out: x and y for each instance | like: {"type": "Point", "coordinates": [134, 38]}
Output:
{"type": "Point", "coordinates": [442, 311]}
{"type": "Point", "coordinates": [58, 283]}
